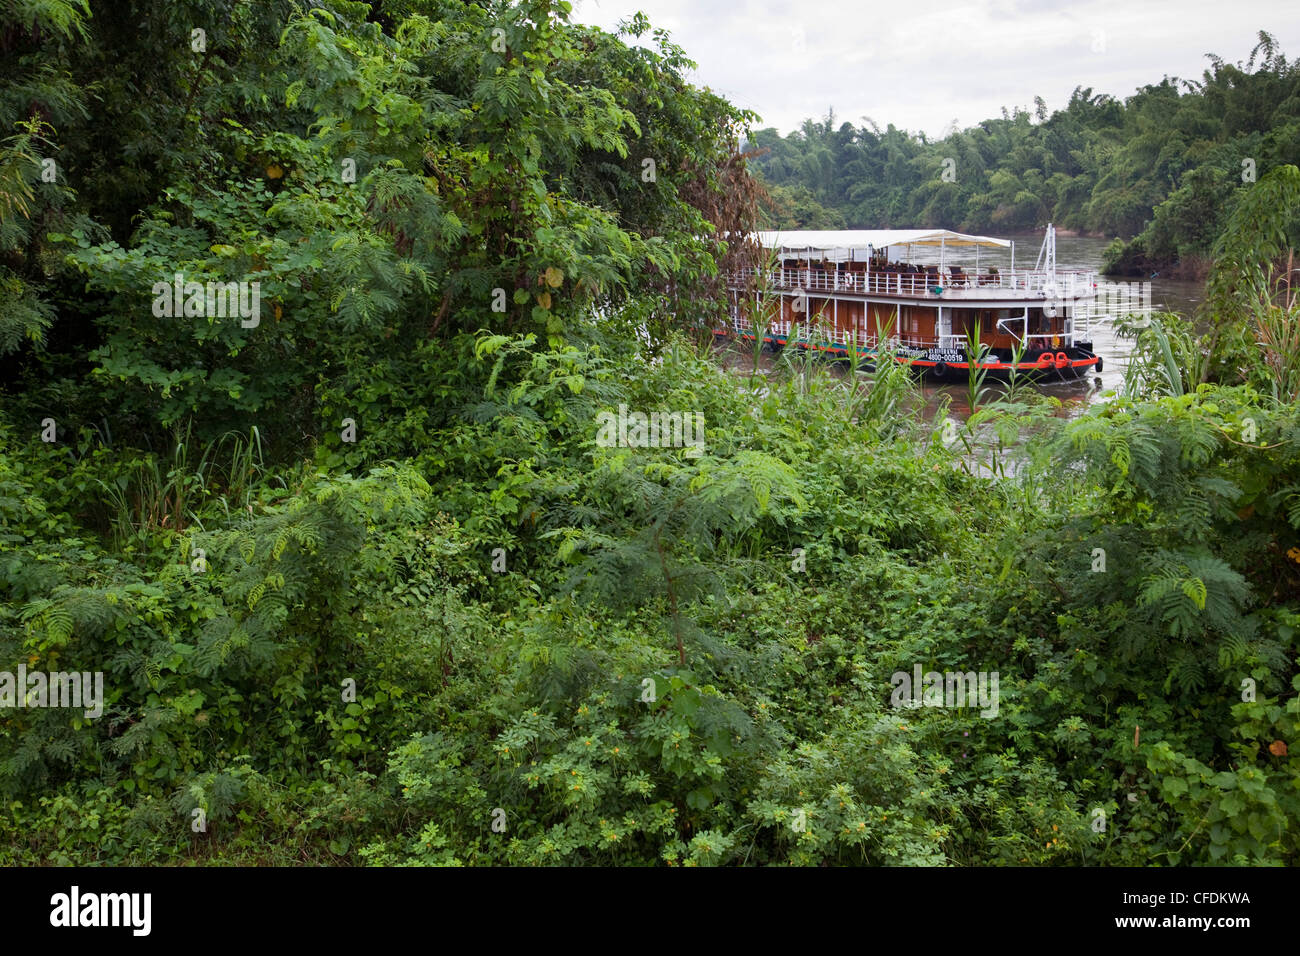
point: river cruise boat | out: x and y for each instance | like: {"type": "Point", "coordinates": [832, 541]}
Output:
{"type": "Point", "coordinates": [864, 294]}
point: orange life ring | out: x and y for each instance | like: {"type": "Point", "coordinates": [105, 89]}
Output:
{"type": "Point", "coordinates": [1062, 360]}
{"type": "Point", "coordinates": [1045, 360]}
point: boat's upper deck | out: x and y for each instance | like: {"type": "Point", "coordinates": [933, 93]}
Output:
{"type": "Point", "coordinates": [879, 263]}
{"type": "Point", "coordinates": [921, 283]}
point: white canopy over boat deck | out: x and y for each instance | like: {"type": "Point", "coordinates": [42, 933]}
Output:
{"type": "Point", "coordinates": [840, 245]}
{"type": "Point", "coordinates": [858, 245]}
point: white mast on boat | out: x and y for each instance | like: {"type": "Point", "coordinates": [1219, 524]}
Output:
{"type": "Point", "coordinates": [1048, 250]}
{"type": "Point", "coordinates": [1047, 263]}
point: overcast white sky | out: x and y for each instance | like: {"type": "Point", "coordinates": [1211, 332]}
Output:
{"type": "Point", "coordinates": [923, 65]}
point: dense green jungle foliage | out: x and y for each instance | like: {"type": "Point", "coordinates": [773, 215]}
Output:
{"type": "Point", "coordinates": [477, 635]}
{"type": "Point", "coordinates": [1165, 165]}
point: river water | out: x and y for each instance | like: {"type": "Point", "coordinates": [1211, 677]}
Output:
{"type": "Point", "coordinates": [1072, 253]}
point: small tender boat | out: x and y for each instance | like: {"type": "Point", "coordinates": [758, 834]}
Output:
{"type": "Point", "coordinates": [859, 293]}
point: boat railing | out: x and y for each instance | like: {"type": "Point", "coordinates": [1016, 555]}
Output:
{"type": "Point", "coordinates": [1064, 285]}
{"type": "Point", "coordinates": [783, 328]}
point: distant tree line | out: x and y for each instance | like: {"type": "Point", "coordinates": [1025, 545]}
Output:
{"type": "Point", "coordinates": [1162, 168]}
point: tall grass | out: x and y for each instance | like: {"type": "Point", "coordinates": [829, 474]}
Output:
{"type": "Point", "coordinates": [765, 313]}
{"type": "Point", "coordinates": [174, 493]}
{"type": "Point", "coordinates": [1168, 358]}
{"type": "Point", "coordinates": [976, 375]}
{"type": "Point", "coordinates": [890, 395]}
{"type": "Point", "coordinates": [1277, 331]}
{"type": "Point", "coordinates": [1018, 383]}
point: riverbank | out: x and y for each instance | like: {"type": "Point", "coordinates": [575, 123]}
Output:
{"type": "Point", "coordinates": [1130, 260]}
